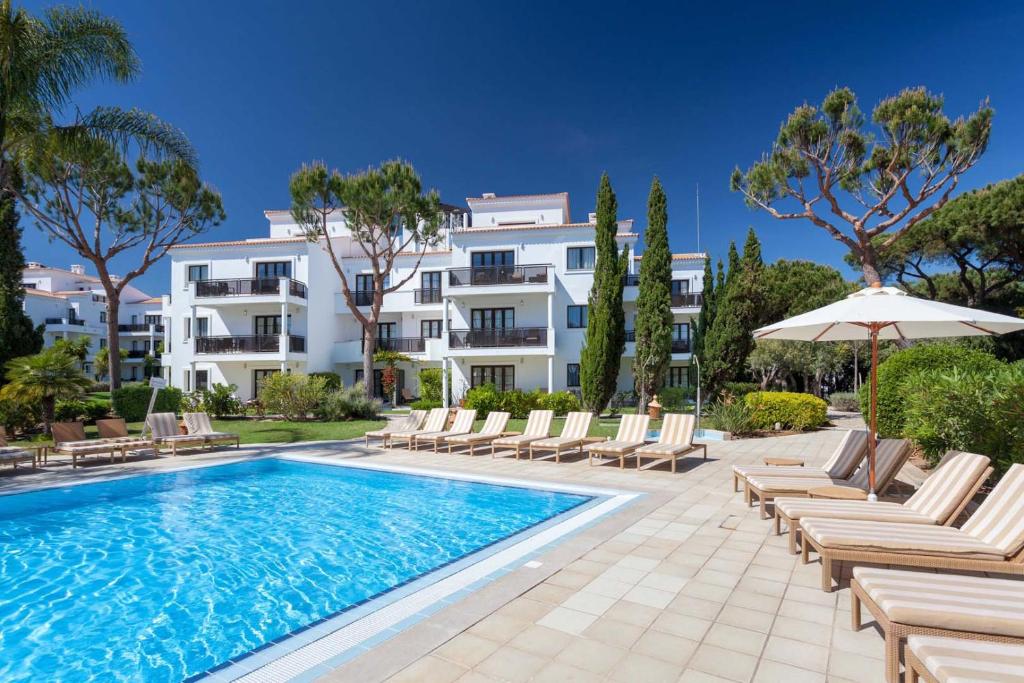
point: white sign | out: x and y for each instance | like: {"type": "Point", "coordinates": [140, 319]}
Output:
{"type": "Point", "coordinates": [158, 382]}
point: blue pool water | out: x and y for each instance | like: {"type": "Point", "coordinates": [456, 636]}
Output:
{"type": "Point", "coordinates": [162, 577]}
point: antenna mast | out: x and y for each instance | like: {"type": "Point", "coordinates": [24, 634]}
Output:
{"type": "Point", "coordinates": [698, 217]}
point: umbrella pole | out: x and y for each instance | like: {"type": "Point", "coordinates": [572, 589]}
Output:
{"type": "Point", "coordinates": [873, 423]}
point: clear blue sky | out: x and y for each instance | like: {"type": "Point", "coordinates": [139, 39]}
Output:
{"type": "Point", "coordinates": [543, 97]}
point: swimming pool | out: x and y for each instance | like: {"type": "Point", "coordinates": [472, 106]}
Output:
{"type": "Point", "coordinates": [165, 576]}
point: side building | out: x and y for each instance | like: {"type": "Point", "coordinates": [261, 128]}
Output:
{"type": "Point", "coordinates": [71, 304]}
{"type": "Point", "coordinates": [502, 299]}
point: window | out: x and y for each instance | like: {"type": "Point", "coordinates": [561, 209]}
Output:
{"type": "Point", "coordinates": [135, 373]}
{"type": "Point", "coordinates": [680, 287]}
{"type": "Point", "coordinates": [572, 375]}
{"type": "Point", "coordinates": [364, 283]}
{"type": "Point", "coordinates": [103, 342]}
{"type": "Point", "coordinates": [186, 385]}
{"type": "Point", "coordinates": [274, 269]}
{"type": "Point", "coordinates": [103, 316]}
{"type": "Point", "coordinates": [482, 259]}
{"type": "Point", "coordinates": [152, 319]}
{"type": "Point", "coordinates": [580, 258]}
{"type": "Point", "coordinates": [198, 273]}
{"type": "Point", "coordinates": [258, 377]}
{"type": "Point", "coordinates": [202, 327]}
{"type": "Point", "coordinates": [430, 329]}
{"type": "Point", "coordinates": [187, 329]}
{"type": "Point", "coordinates": [378, 381]}
{"type": "Point", "coordinates": [145, 346]}
{"type": "Point", "coordinates": [577, 316]}
{"type": "Point", "coordinates": [501, 376]}
{"type": "Point", "coordinates": [431, 280]}
{"type": "Point", "coordinates": [266, 325]}
{"type": "Point", "coordinates": [678, 376]}
{"type": "Point", "coordinates": [135, 345]}
{"type": "Point", "coordinates": [387, 330]}
{"type": "Point", "coordinates": [493, 318]}
{"type": "Point", "coordinates": [202, 379]}
{"type": "Point", "coordinates": [681, 332]}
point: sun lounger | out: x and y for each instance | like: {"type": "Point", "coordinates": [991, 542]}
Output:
{"type": "Point", "coordinates": [890, 457]}
{"type": "Point", "coordinates": [13, 455]}
{"type": "Point", "coordinates": [538, 426]}
{"type": "Point", "coordinates": [674, 441]}
{"type": "Point", "coordinates": [164, 428]}
{"type": "Point", "coordinates": [463, 425]}
{"type": "Point", "coordinates": [198, 424]}
{"type": "Point", "coordinates": [946, 660]}
{"type": "Point", "coordinates": [631, 435]}
{"type": "Point", "coordinates": [940, 500]}
{"type": "Point", "coordinates": [434, 423]}
{"type": "Point", "coordinates": [967, 608]}
{"type": "Point", "coordinates": [69, 439]}
{"type": "Point", "coordinates": [991, 540]}
{"type": "Point", "coordinates": [493, 427]}
{"type": "Point", "coordinates": [410, 422]}
{"type": "Point", "coordinates": [848, 454]}
{"type": "Point", "coordinates": [577, 424]}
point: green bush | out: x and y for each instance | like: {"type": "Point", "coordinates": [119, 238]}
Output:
{"type": "Point", "coordinates": [896, 369]}
{"type": "Point", "coordinates": [19, 416]}
{"type": "Point", "coordinates": [424, 404]}
{"type": "Point", "coordinates": [674, 399]}
{"type": "Point", "coordinates": [740, 389]}
{"type": "Point", "coordinates": [732, 416]}
{"type": "Point", "coordinates": [220, 400]}
{"type": "Point", "coordinates": [333, 379]}
{"type": "Point", "coordinates": [294, 396]}
{"type": "Point", "coordinates": [561, 402]}
{"type": "Point", "coordinates": [486, 399]}
{"type": "Point", "coordinates": [980, 412]}
{"type": "Point", "coordinates": [131, 400]}
{"type": "Point", "coordinates": [348, 403]}
{"type": "Point", "coordinates": [430, 385]}
{"type": "Point", "coordinates": [75, 410]}
{"type": "Point", "coordinates": [483, 399]}
{"type": "Point", "coordinates": [846, 401]}
{"type": "Point", "coordinates": [791, 410]}
{"type": "Point", "coordinates": [97, 387]}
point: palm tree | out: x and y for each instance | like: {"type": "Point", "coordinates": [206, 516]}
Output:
{"type": "Point", "coordinates": [46, 377]}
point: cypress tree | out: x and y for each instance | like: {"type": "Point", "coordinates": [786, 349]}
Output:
{"type": "Point", "coordinates": [707, 310]}
{"type": "Point", "coordinates": [605, 339]}
{"type": "Point", "coordinates": [17, 335]}
{"type": "Point", "coordinates": [654, 301]}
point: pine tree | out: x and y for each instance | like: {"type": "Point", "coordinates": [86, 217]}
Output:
{"type": "Point", "coordinates": [654, 301]}
{"type": "Point", "coordinates": [17, 335]}
{"type": "Point", "coordinates": [707, 310]}
{"type": "Point", "coordinates": [605, 339]}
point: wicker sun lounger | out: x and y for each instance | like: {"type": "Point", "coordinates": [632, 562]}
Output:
{"type": "Point", "coordinates": [890, 458]}
{"type": "Point", "coordinates": [935, 659]}
{"type": "Point", "coordinates": [631, 435]}
{"type": "Point", "coordinates": [674, 441]}
{"type": "Point", "coordinates": [940, 500]}
{"type": "Point", "coordinates": [198, 424]}
{"type": "Point", "coordinates": [463, 424]}
{"type": "Point", "coordinates": [164, 428]}
{"type": "Point", "coordinates": [494, 427]}
{"type": "Point", "coordinates": [577, 424]}
{"type": "Point", "coordinates": [968, 608]}
{"type": "Point", "coordinates": [14, 455]}
{"type": "Point", "coordinates": [69, 439]}
{"type": "Point", "coordinates": [991, 540]}
{"type": "Point", "coordinates": [538, 426]}
{"type": "Point", "coordinates": [848, 454]}
{"type": "Point", "coordinates": [410, 422]}
{"type": "Point", "coordinates": [434, 423]}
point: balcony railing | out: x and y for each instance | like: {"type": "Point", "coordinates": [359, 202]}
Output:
{"type": "Point", "coordinates": [498, 275]}
{"type": "Point", "coordinates": [64, 321]}
{"type": "Point", "coordinates": [427, 296]}
{"type": "Point", "coordinates": [258, 343]}
{"type": "Point", "coordinates": [680, 346]}
{"type": "Point", "coordinates": [248, 287]}
{"type": "Point", "coordinates": [400, 344]}
{"type": "Point", "coordinates": [511, 337]}
{"type": "Point", "coordinates": [631, 335]}
{"type": "Point", "coordinates": [137, 353]}
{"type": "Point", "coordinates": [688, 300]}
{"type": "Point", "coordinates": [630, 280]}
{"type": "Point", "coordinates": [363, 297]}
{"type": "Point", "coordinates": [138, 327]}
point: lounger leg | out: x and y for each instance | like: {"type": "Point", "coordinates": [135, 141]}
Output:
{"type": "Point", "coordinates": [763, 500]}
{"type": "Point", "coordinates": [892, 657]}
{"type": "Point", "coordinates": [805, 550]}
{"type": "Point", "coordinates": [735, 483]}
{"type": "Point", "coordinates": [674, 458]}
{"type": "Point", "coordinates": [910, 675]}
{"type": "Point", "coordinates": [854, 611]}
{"type": "Point", "coordinates": [778, 523]}
{"type": "Point", "coordinates": [826, 573]}
{"type": "Point", "coordinates": [590, 458]}
{"type": "Point", "coordinates": [746, 493]}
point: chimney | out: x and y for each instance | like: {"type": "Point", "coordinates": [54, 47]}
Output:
{"type": "Point", "coordinates": [489, 195]}
{"type": "Point", "coordinates": [592, 217]}
{"type": "Point", "coordinates": [77, 269]}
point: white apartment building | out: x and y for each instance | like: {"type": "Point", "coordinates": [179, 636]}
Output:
{"type": "Point", "coordinates": [502, 299]}
{"type": "Point", "coordinates": [71, 304]}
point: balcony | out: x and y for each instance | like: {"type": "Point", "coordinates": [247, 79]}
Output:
{"type": "Point", "coordinates": [498, 275]}
{"type": "Point", "coordinates": [680, 346]}
{"type": "Point", "coordinates": [363, 297]}
{"type": "Point", "coordinates": [630, 280]}
{"type": "Point", "coordinates": [631, 335]}
{"type": "Point", "coordinates": [427, 296]}
{"type": "Point", "coordinates": [259, 343]}
{"type": "Point", "coordinates": [688, 300]}
{"type": "Point", "coordinates": [137, 353]}
{"type": "Point", "coordinates": [400, 344]}
{"type": "Point", "coordinates": [511, 337]}
{"type": "Point", "coordinates": [139, 327]}
{"type": "Point", "coordinates": [248, 287]}
{"type": "Point", "coordinates": [65, 321]}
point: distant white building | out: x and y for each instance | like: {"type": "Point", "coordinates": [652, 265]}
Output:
{"type": "Point", "coordinates": [72, 304]}
{"type": "Point", "coordinates": [502, 299]}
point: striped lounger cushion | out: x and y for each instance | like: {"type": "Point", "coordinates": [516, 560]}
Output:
{"type": "Point", "coordinates": [493, 426]}
{"type": "Point", "coordinates": [911, 539]}
{"type": "Point", "coordinates": [847, 456]}
{"type": "Point", "coordinates": [946, 601]}
{"type": "Point", "coordinates": [889, 458]}
{"type": "Point", "coordinates": [576, 427]}
{"type": "Point", "coordinates": [408, 423]}
{"type": "Point", "coordinates": [951, 660]}
{"type": "Point", "coordinates": [630, 436]}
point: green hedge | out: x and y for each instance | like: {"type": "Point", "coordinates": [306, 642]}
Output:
{"type": "Point", "coordinates": [791, 410]}
{"type": "Point", "coordinates": [131, 400]}
{"type": "Point", "coordinates": [561, 402]}
{"type": "Point", "coordinates": [895, 370]}
{"type": "Point", "coordinates": [74, 410]}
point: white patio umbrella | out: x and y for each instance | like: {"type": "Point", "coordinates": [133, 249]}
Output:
{"type": "Point", "coordinates": [886, 313]}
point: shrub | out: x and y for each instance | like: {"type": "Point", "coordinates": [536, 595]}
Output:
{"type": "Point", "coordinates": [518, 403]}
{"type": "Point", "coordinates": [348, 404]}
{"type": "Point", "coordinates": [96, 387]}
{"type": "Point", "coordinates": [898, 367]}
{"type": "Point", "coordinates": [19, 416]}
{"type": "Point", "coordinates": [131, 401]}
{"type": "Point", "coordinates": [294, 396]}
{"type": "Point", "coordinates": [430, 385]}
{"type": "Point", "coordinates": [561, 402]}
{"type": "Point", "coordinates": [333, 379]}
{"type": "Point", "coordinates": [740, 389]}
{"type": "Point", "coordinates": [483, 399]}
{"type": "Point", "coordinates": [74, 410]}
{"type": "Point", "coordinates": [980, 412]}
{"type": "Point", "coordinates": [674, 399]}
{"type": "Point", "coordinates": [622, 399]}
{"type": "Point", "coordinates": [423, 404]}
{"type": "Point", "coordinates": [791, 410]}
{"type": "Point", "coordinates": [220, 400]}
{"type": "Point", "coordinates": [846, 401]}
{"type": "Point", "coordinates": [731, 416]}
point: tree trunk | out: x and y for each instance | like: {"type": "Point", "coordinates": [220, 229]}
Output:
{"type": "Point", "coordinates": [114, 343]}
{"type": "Point", "coordinates": [369, 341]}
{"type": "Point", "coordinates": [49, 404]}
{"type": "Point", "coordinates": [869, 266]}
